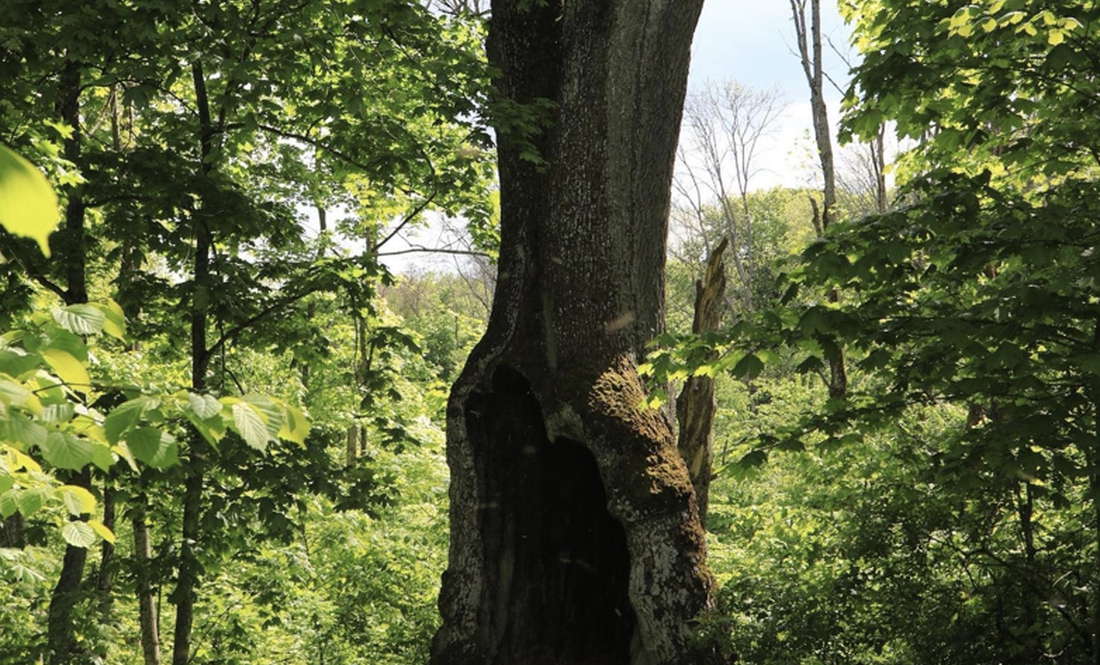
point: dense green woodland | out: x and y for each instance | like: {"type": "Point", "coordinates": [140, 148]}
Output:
{"type": "Point", "coordinates": [222, 417]}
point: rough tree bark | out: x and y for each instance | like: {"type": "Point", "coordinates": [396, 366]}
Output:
{"type": "Point", "coordinates": [575, 536]}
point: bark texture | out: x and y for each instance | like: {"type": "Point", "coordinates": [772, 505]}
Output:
{"type": "Point", "coordinates": [575, 535]}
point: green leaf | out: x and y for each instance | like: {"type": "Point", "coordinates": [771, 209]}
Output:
{"type": "Point", "coordinates": [63, 340]}
{"type": "Point", "coordinates": [78, 534]}
{"type": "Point", "coordinates": [58, 413]}
{"type": "Point", "coordinates": [211, 429]}
{"type": "Point", "coordinates": [295, 425]}
{"type": "Point", "coordinates": [16, 394]}
{"type": "Point", "coordinates": [8, 505]}
{"type": "Point", "coordinates": [31, 500]}
{"type": "Point", "coordinates": [16, 362]}
{"type": "Point", "coordinates": [102, 531]}
{"type": "Point", "coordinates": [153, 447]}
{"type": "Point", "coordinates": [748, 367]}
{"type": "Point", "coordinates": [77, 499]}
{"type": "Point", "coordinates": [126, 416]}
{"type": "Point", "coordinates": [66, 451]}
{"type": "Point", "coordinates": [753, 459]}
{"type": "Point", "coordinates": [28, 205]}
{"type": "Point", "coordinates": [123, 451]}
{"type": "Point", "coordinates": [114, 320]}
{"type": "Point", "coordinates": [204, 406]}
{"type": "Point", "coordinates": [102, 457]}
{"type": "Point", "coordinates": [80, 319]}
{"type": "Point", "coordinates": [68, 369]}
{"type": "Point", "coordinates": [22, 432]}
{"type": "Point", "coordinates": [272, 413]}
{"type": "Point", "coordinates": [250, 425]}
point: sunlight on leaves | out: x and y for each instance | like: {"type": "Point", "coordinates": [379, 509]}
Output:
{"type": "Point", "coordinates": [28, 205]}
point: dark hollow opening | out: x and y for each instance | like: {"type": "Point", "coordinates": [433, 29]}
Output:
{"type": "Point", "coordinates": [555, 560]}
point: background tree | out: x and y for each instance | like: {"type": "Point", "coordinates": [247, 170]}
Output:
{"type": "Point", "coordinates": [717, 160]}
{"type": "Point", "coordinates": [812, 55]}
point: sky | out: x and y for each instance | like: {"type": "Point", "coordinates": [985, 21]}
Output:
{"type": "Point", "coordinates": [753, 43]}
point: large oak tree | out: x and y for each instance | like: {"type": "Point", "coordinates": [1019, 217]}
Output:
{"type": "Point", "coordinates": [575, 535]}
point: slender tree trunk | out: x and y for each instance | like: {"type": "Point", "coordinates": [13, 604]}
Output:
{"type": "Point", "coordinates": [104, 585]}
{"type": "Point", "coordinates": [1030, 585]}
{"type": "Point", "coordinates": [575, 535]}
{"type": "Point", "coordinates": [351, 447]}
{"type": "Point", "coordinates": [696, 405]}
{"type": "Point", "coordinates": [61, 640]}
{"type": "Point", "coordinates": [878, 163]}
{"type": "Point", "coordinates": [105, 578]}
{"type": "Point", "coordinates": [71, 246]}
{"type": "Point", "coordinates": [61, 643]}
{"type": "Point", "coordinates": [1092, 457]}
{"type": "Point", "coordinates": [811, 54]}
{"type": "Point", "coordinates": [130, 300]}
{"type": "Point", "coordinates": [147, 609]}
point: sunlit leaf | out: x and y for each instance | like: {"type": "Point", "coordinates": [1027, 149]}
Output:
{"type": "Point", "coordinates": [8, 504]}
{"type": "Point", "coordinates": [78, 534]}
{"type": "Point", "coordinates": [28, 204]}
{"type": "Point", "coordinates": [250, 425]}
{"type": "Point", "coordinates": [80, 319]}
{"type": "Point", "coordinates": [78, 500]}
{"type": "Point", "coordinates": [295, 425]}
{"type": "Point", "coordinates": [68, 369]}
{"type": "Point", "coordinates": [114, 320]}
{"type": "Point", "coordinates": [102, 531]}
{"type": "Point", "coordinates": [204, 406]}
{"type": "Point", "coordinates": [22, 431]}
{"type": "Point", "coordinates": [31, 500]}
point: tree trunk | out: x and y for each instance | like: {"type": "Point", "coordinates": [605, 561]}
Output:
{"type": "Point", "coordinates": [811, 54]}
{"type": "Point", "coordinates": [13, 532]}
{"type": "Point", "coordinates": [61, 640]}
{"type": "Point", "coordinates": [190, 569]}
{"type": "Point", "coordinates": [575, 535]}
{"type": "Point", "coordinates": [61, 643]}
{"type": "Point", "coordinates": [147, 608]}
{"type": "Point", "coordinates": [813, 66]}
{"type": "Point", "coordinates": [696, 405]}
{"type": "Point", "coordinates": [105, 579]}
